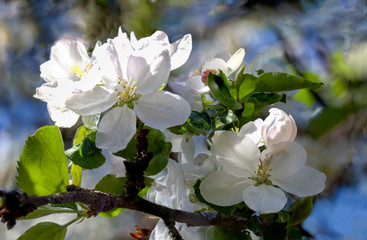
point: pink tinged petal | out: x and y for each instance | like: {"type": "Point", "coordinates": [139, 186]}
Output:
{"type": "Point", "coordinates": [223, 189]}
{"type": "Point", "coordinates": [264, 198]}
{"type": "Point", "coordinates": [286, 158]}
{"type": "Point", "coordinates": [180, 51]}
{"type": "Point", "coordinates": [306, 182]}
{"type": "Point", "coordinates": [94, 101]}
{"type": "Point", "coordinates": [148, 77]}
{"type": "Point", "coordinates": [216, 63]}
{"type": "Point", "coordinates": [62, 116]}
{"type": "Point", "coordinates": [278, 127]}
{"type": "Point", "coordinates": [253, 130]}
{"type": "Point", "coordinates": [236, 59]}
{"type": "Point", "coordinates": [116, 128]}
{"type": "Point", "coordinates": [239, 156]}
{"type": "Point", "coordinates": [162, 109]}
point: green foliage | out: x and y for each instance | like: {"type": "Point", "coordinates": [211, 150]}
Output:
{"type": "Point", "coordinates": [160, 149]}
{"type": "Point", "coordinates": [275, 231]}
{"type": "Point", "coordinates": [280, 82]}
{"type": "Point", "coordinates": [328, 119]}
{"type": "Point", "coordinates": [44, 211]}
{"type": "Point", "coordinates": [200, 121]}
{"type": "Point", "coordinates": [45, 231]}
{"type": "Point", "coordinates": [224, 210]}
{"type": "Point", "coordinates": [86, 154]}
{"type": "Point", "coordinates": [219, 87]}
{"type": "Point", "coordinates": [42, 167]}
{"type": "Point", "coordinates": [111, 184]}
{"type": "Point", "coordinates": [114, 185]}
{"type": "Point", "coordinates": [305, 96]}
{"type": "Point", "coordinates": [217, 233]}
{"type": "Point", "coordinates": [300, 210]}
{"type": "Point", "coordinates": [129, 152]}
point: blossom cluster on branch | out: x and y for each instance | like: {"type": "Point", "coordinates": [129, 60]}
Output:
{"type": "Point", "coordinates": [189, 144]}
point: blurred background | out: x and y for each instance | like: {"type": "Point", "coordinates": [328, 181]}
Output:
{"type": "Point", "coordinates": [324, 40]}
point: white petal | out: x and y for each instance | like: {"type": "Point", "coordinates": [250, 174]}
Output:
{"type": "Point", "coordinates": [148, 78]}
{"type": "Point", "coordinates": [116, 128]}
{"type": "Point", "coordinates": [216, 63]}
{"type": "Point", "coordinates": [236, 59]}
{"type": "Point", "coordinates": [62, 116]}
{"type": "Point", "coordinates": [162, 109]}
{"type": "Point", "coordinates": [253, 130]}
{"type": "Point", "coordinates": [240, 156]}
{"type": "Point", "coordinates": [265, 198]}
{"type": "Point", "coordinates": [286, 158]}
{"type": "Point", "coordinates": [306, 182]}
{"type": "Point", "coordinates": [180, 51]}
{"type": "Point", "coordinates": [94, 101]}
{"type": "Point", "coordinates": [223, 189]}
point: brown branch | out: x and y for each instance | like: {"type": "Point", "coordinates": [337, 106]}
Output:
{"type": "Point", "coordinates": [17, 204]}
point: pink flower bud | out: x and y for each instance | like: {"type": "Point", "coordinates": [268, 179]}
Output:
{"type": "Point", "coordinates": [205, 75]}
{"type": "Point", "coordinates": [278, 127]}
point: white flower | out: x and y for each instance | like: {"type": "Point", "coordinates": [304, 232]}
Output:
{"type": "Point", "coordinates": [169, 190]}
{"type": "Point", "coordinates": [259, 179]}
{"type": "Point", "coordinates": [130, 82]}
{"type": "Point", "coordinates": [191, 88]}
{"type": "Point", "coordinates": [278, 127]}
{"type": "Point", "coordinates": [65, 72]}
{"type": "Point", "coordinates": [216, 64]}
{"type": "Point", "coordinates": [179, 51]}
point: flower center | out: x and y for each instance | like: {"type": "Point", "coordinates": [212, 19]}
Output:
{"type": "Point", "coordinates": [262, 173]}
{"type": "Point", "coordinates": [77, 71]}
{"type": "Point", "coordinates": [127, 92]}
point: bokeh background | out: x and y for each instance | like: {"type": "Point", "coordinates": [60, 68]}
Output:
{"type": "Point", "coordinates": [324, 40]}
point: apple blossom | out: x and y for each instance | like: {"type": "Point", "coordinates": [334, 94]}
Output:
{"type": "Point", "coordinates": [259, 179]}
{"type": "Point", "coordinates": [278, 127]}
{"type": "Point", "coordinates": [65, 72]}
{"type": "Point", "coordinates": [129, 84]}
{"type": "Point", "coordinates": [169, 190]}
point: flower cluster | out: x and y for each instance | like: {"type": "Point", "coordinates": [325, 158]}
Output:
{"type": "Point", "coordinates": [122, 80]}
{"type": "Point", "coordinates": [220, 158]}
{"type": "Point", "coordinates": [260, 178]}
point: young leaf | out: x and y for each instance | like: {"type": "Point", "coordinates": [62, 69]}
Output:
{"type": "Point", "coordinates": [300, 210]}
{"type": "Point", "coordinates": [86, 155]}
{"type": "Point", "coordinates": [129, 152]}
{"type": "Point", "coordinates": [111, 184]}
{"type": "Point", "coordinates": [246, 87]}
{"type": "Point", "coordinates": [114, 185]}
{"type": "Point", "coordinates": [160, 149]}
{"type": "Point", "coordinates": [42, 167]}
{"type": "Point", "coordinates": [45, 231]}
{"type": "Point", "coordinates": [44, 211]}
{"type": "Point", "coordinates": [218, 85]}
{"type": "Point", "coordinates": [279, 82]}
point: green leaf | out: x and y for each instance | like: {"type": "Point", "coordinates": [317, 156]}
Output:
{"type": "Point", "coordinates": [111, 184]}
{"type": "Point", "coordinates": [44, 211]}
{"type": "Point", "coordinates": [80, 134]}
{"type": "Point", "coordinates": [129, 152]}
{"type": "Point", "coordinates": [160, 149]}
{"type": "Point", "coordinates": [294, 233]}
{"type": "Point", "coordinates": [246, 86]}
{"type": "Point", "coordinates": [86, 155]}
{"type": "Point", "coordinates": [300, 210]}
{"type": "Point", "coordinates": [114, 185]}
{"type": "Point", "coordinates": [200, 121]}
{"type": "Point", "coordinates": [327, 120]}
{"type": "Point", "coordinates": [224, 210]}
{"type": "Point", "coordinates": [42, 167]}
{"type": "Point", "coordinates": [45, 231]}
{"type": "Point", "coordinates": [275, 231]}
{"type": "Point", "coordinates": [283, 217]}
{"type": "Point", "coordinates": [76, 173]}
{"type": "Point", "coordinates": [218, 85]}
{"type": "Point", "coordinates": [248, 110]}
{"type": "Point", "coordinates": [217, 233]}
{"type": "Point", "coordinates": [279, 82]}
{"type": "Point", "coordinates": [305, 96]}
{"type": "Point", "coordinates": [266, 98]}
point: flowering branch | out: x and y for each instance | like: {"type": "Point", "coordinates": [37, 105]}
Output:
{"type": "Point", "coordinates": [16, 205]}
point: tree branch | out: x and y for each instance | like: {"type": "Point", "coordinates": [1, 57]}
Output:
{"type": "Point", "coordinates": [16, 204]}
